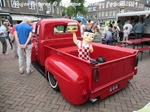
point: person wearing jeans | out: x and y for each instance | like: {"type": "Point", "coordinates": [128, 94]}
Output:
{"type": "Point", "coordinates": [23, 33]}
{"type": "Point", "coordinates": [3, 34]}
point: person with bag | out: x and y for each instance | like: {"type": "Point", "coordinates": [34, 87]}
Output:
{"type": "Point", "coordinates": [8, 31]}
{"type": "Point", "coordinates": [3, 35]}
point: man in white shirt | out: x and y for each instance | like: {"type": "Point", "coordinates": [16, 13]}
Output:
{"type": "Point", "coordinates": [82, 28]}
{"type": "Point", "coordinates": [130, 27]}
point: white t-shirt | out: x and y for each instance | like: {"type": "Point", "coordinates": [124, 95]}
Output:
{"type": "Point", "coordinates": [81, 28]}
{"type": "Point", "coordinates": [105, 29]}
{"type": "Point", "coordinates": [126, 33]}
{"type": "Point", "coordinates": [129, 27]}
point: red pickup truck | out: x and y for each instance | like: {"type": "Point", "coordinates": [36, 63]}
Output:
{"type": "Point", "coordinates": [56, 56]}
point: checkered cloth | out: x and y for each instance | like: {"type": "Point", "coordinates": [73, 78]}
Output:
{"type": "Point", "coordinates": [84, 52]}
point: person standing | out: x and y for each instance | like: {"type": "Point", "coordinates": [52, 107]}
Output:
{"type": "Point", "coordinates": [138, 29]}
{"type": "Point", "coordinates": [82, 28]}
{"type": "Point", "coordinates": [12, 40]}
{"type": "Point", "coordinates": [126, 34]}
{"type": "Point", "coordinates": [121, 30]}
{"type": "Point", "coordinates": [108, 37]}
{"type": "Point", "coordinates": [3, 35]}
{"type": "Point", "coordinates": [88, 27]}
{"type": "Point", "coordinates": [8, 31]}
{"type": "Point", "coordinates": [23, 34]}
{"type": "Point", "coordinates": [115, 34]}
{"type": "Point", "coordinates": [97, 36]}
{"type": "Point", "coordinates": [130, 27]}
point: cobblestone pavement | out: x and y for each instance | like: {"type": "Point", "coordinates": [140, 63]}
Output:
{"type": "Point", "coordinates": [32, 93]}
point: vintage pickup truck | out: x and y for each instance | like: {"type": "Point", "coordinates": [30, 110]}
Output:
{"type": "Point", "coordinates": [56, 56]}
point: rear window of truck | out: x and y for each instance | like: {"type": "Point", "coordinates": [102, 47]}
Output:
{"type": "Point", "coordinates": [60, 29]}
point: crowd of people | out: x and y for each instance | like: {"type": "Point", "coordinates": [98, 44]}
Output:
{"type": "Point", "coordinates": [113, 32]}
{"type": "Point", "coordinates": [19, 37]}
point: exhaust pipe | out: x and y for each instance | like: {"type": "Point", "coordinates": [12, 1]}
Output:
{"type": "Point", "coordinates": [93, 100]}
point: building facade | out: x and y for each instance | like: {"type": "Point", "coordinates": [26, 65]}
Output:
{"type": "Point", "coordinates": [35, 9]}
{"type": "Point", "coordinates": [107, 9]}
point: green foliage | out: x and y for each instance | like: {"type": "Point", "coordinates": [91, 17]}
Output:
{"type": "Point", "coordinates": [72, 10]}
{"type": "Point", "coordinates": [52, 1]}
{"type": "Point", "coordinates": [64, 9]}
{"type": "Point", "coordinates": [77, 9]}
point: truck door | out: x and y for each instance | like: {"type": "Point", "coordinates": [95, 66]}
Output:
{"type": "Point", "coordinates": [35, 41]}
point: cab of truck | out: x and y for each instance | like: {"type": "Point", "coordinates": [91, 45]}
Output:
{"type": "Point", "coordinates": [46, 31]}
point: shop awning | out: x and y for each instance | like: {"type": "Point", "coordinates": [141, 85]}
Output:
{"type": "Point", "coordinates": [4, 13]}
{"type": "Point", "coordinates": [20, 17]}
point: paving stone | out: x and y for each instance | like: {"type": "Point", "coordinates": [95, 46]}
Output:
{"type": "Point", "coordinates": [32, 93]}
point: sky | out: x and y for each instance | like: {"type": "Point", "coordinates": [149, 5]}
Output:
{"type": "Point", "coordinates": [66, 2]}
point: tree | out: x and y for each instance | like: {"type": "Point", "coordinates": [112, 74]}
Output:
{"type": "Point", "coordinates": [77, 8]}
{"type": "Point", "coordinates": [55, 4]}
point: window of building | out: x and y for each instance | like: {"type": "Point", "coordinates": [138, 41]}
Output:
{"type": "Point", "coordinates": [107, 4]}
{"type": "Point", "coordinates": [110, 4]}
{"type": "Point", "coordinates": [94, 8]}
{"type": "Point", "coordinates": [102, 14]}
{"type": "Point", "coordinates": [15, 3]}
{"type": "Point", "coordinates": [31, 5]}
{"type": "Point", "coordinates": [89, 9]}
{"type": "Point", "coordinates": [40, 5]}
{"type": "Point", "coordinates": [2, 3]}
{"type": "Point", "coordinates": [57, 10]}
{"type": "Point", "coordinates": [49, 8]}
{"type": "Point", "coordinates": [106, 13]}
{"type": "Point", "coordinates": [103, 5]}
{"type": "Point", "coordinates": [114, 13]}
{"type": "Point", "coordinates": [99, 14]}
{"type": "Point", "coordinates": [100, 6]}
{"type": "Point", "coordinates": [110, 13]}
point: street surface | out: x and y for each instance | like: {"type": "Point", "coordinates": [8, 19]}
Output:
{"type": "Point", "coordinates": [32, 93]}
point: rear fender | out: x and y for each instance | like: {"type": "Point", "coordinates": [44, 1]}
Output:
{"type": "Point", "coordinates": [73, 83]}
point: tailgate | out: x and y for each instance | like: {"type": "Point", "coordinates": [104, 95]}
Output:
{"type": "Point", "coordinates": [112, 76]}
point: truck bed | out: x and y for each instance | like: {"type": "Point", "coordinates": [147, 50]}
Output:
{"type": "Point", "coordinates": [113, 74]}
{"type": "Point", "coordinates": [109, 52]}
